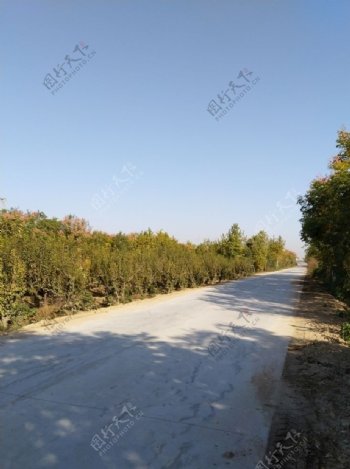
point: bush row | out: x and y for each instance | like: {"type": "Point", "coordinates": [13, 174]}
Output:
{"type": "Point", "coordinates": [50, 266]}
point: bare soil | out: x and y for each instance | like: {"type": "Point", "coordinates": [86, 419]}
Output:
{"type": "Point", "coordinates": [315, 397]}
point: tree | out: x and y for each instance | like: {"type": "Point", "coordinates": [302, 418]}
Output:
{"type": "Point", "coordinates": [233, 242]}
{"type": "Point", "coordinates": [259, 247]}
{"type": "Point", "coordinates": [275, 255]}
{"type": "Point", "coordinates": [326, 219]}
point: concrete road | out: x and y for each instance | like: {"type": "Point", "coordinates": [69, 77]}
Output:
{"type": "Point", "coordinates": [188, 380]}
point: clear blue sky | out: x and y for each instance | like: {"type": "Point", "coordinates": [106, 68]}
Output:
{"type": "Point", "coordinates": [142, 99]}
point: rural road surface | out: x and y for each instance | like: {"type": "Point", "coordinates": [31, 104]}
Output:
{"type": "Point", "coordinates": [182, 381]}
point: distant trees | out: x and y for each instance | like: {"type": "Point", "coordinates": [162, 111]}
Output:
{"type": "Point", "coordinates": [50, 266]}
{"type": "Point", "coordinates": [259, 249]}
{"type": "Point", "coordinates": [233, 243]}
{"type": "Point", "coordinates": [326, 220]}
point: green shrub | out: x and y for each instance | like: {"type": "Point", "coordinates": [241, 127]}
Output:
{"type": "Point", "coordinates": [345, 331]}
{"type": "Point", "coordinates": [60, 266]}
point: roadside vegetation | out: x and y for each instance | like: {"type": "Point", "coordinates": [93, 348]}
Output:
{"type": "Point", "coordinates": [50, 267]}
{"type": "Point", "coordinates": [326, 225]}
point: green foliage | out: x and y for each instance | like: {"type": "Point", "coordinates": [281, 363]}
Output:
{"type": "Point", "coordinates": [345, 331]}
{"type": "Point", "coordinates": [233, 243]}
{"type": "Point", "coordinates": [48, 266]}
{"type": "Point", "coordinates": [259, 249]}
{"type": "Point", "coordinates": [326, 221]}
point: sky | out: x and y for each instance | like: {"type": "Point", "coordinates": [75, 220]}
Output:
{"type": "Point", "coordinates": [128, 142]}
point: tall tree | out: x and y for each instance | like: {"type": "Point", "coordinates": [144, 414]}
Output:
{"type": "Point", "coordinates": [259, 247]}
{"type": "Point", "coordinates": [233, 242]}
{"type": "Point", "coordinates": [326, 219]}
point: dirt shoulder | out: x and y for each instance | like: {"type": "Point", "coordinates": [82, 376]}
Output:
{"type": "Point", "coordinates": [315, 388]}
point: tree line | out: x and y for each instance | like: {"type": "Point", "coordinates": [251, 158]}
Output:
{"type": "Point", "coordinates": [50, 266]}
{"type": "Point", "coordinates": [326, 222]}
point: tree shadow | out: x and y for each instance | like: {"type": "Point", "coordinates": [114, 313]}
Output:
{"type": "Point", "coordinates": [58, 391]}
